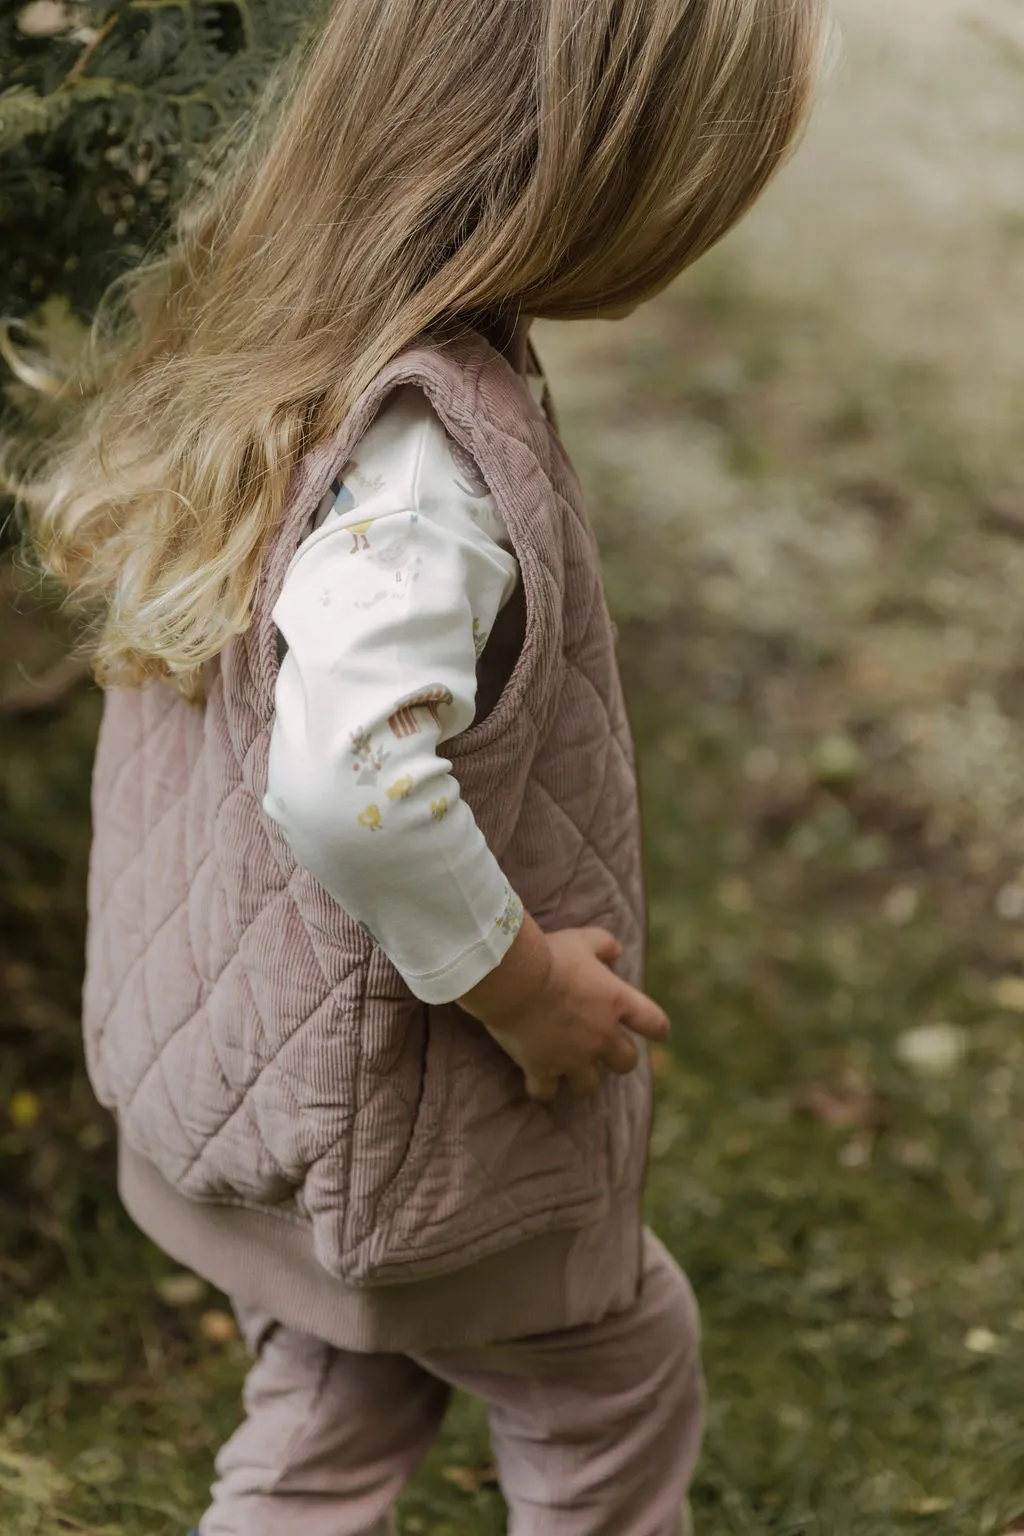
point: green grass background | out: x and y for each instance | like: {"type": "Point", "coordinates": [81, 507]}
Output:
{"type": "Point", "coordinates": [804, 469]}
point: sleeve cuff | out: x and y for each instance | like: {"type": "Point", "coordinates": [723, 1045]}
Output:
{"type": "Point", "coordinates": [469, 968]}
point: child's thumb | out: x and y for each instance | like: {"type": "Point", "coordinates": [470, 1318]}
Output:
{"type": "Point", "coordinates": [604, 944]}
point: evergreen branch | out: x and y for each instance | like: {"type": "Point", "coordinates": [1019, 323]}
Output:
{"type": "Point", "coordinates": [24, 113]}
{"type": "Point", "coordinates": [75, 75]}
{"type": "Point", "coordinates": [97, 134]}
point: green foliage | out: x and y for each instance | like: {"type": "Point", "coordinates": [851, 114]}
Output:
{"type": "Point", "coordinates": [101, 118]}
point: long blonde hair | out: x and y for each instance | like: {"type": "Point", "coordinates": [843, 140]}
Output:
{"type": "Point", "coordinates": [436, 162]}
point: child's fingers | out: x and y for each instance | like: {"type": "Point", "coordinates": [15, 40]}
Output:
{"type": "Point", "coordinates": [622, 1055]}
{"type": "Point", "coordinates": [543, 1089]}
{"type": "Point", "coordinates": [642, 1015]}
{"type": "Point", "coordinates": [604, 944]}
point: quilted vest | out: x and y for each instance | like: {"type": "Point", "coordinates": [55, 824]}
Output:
{"type": "Point", "coordinates": [253, 1043]}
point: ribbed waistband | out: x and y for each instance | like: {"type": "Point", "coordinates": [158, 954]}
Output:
{"type": "Point", "coordinates": [544, 1285]}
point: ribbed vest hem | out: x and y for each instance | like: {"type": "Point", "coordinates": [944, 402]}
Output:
{"type": "Point", "coordinates": [544, 1285]}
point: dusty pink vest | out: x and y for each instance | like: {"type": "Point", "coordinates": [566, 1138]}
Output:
{"type": "Point", "coordinates": [253, 1043]}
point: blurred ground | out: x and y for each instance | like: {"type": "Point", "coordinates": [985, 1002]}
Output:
{"type": "Point", "coordinates": [805, 470]}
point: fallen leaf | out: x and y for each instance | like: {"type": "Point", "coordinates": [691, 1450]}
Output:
{"type": "Point", "coordinates": [469, 1479]}
{"type": "Point", "coordinates": [932, 1050]}
{"type": "Point", "coordinates": [837, 760]}
{"type": "Point", "coordinates": [182, 1290]}
{"type": "Point", "coordinates": [218, 1327]}
{"type": "Point", "coordinates": [931, 1507]}
{"type": "Point", "coordinates": [901, 905]}
{"type": "Point", "coordinates": [915, 1154]}
{"type": "Point", "coordinates": [1009, 903]}
{"type": "Point", "coordinates": [25, 1109]}
{"type": "Point", "coordinates": [857, 1152]}
{"type": "Point", "coordinates": [843, 1105]}
{"type": "Point", "coordinates": [846, 1100]}
{"type": "Point", "coordinates": [1008, 992]}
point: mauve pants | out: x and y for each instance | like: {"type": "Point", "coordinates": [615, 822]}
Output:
{"type": "Point", "coordinates": [595, 1430]}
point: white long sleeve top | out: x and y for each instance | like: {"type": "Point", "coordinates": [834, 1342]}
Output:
{"type": "Point", "coordinates": [385, 612]}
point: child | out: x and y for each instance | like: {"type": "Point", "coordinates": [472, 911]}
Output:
{"type": "Point", "coordinates": [364, 983]}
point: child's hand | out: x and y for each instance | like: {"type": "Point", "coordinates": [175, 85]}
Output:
{"type": "Point", "coordinates": [557, 1009]}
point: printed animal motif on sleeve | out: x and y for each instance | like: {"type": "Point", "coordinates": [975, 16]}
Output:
{"type": "Point", "coordinates": [369, 756]}
{"type": "Point", "coordinates": [399, 560]}
{"type": "Point", "coordinates": [371, 483]}
{"type": "Point", "coordinates": [344, 500]}
{"type": "Point", "coordinates": [371, 602]}
{"type": "Point", "coordinates": [359, 533]}
{"type": "Point", "coordinates": [403, 719]}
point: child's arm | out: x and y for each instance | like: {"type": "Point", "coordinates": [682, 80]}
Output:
{"type": "Point", "coordinates": [380, 672]}
{"type": "Point", "coordinates": [384, 611]}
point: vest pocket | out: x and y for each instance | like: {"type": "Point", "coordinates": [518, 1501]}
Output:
{"type": "Point", "coordinates": [483, 1167]}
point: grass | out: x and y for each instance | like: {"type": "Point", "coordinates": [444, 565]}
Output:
{"type": "Point", "coordinates": [853, 1229]}
{"type": "Point", "coordinates": [819, 642]}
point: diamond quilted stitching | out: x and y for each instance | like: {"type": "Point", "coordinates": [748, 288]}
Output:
{"type": "Point", "coordinates": [277, 1091]}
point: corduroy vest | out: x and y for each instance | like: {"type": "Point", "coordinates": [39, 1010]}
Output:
{"type": "Point", "coordinates": [252, 1042]}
